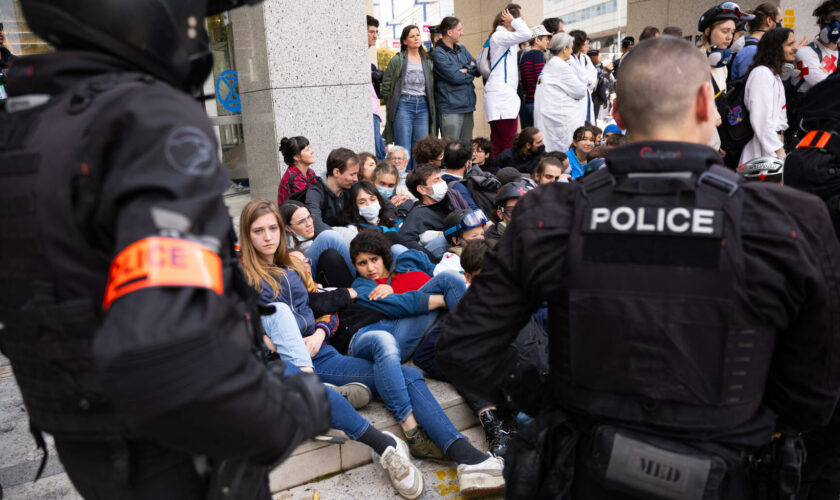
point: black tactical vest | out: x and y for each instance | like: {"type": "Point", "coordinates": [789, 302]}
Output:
{"type": "Point", "coordinates": [50, 304]}
{"type": "Point", "coordinates": [651, 330]}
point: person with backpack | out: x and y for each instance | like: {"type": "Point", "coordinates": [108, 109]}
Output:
{"type": "Point", "coordinates": [818, 59]}
{"type": "Point", "coordinates": [767, 16]}
{"type": "Point", "coordinates": [764, 95]}
{"type": "Point", "coordinates": [501, 100]}
{"type": "Point", "coordinates": [478, 188]}
{"type": "Point", "coordinates": [298, 156]}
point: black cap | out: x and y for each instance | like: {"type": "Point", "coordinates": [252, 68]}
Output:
{"type": "Point", "coordinates": [627, 41]}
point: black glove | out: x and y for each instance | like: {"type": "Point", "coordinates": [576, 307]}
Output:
{"type": "Point", "coordinates": [314, 395]}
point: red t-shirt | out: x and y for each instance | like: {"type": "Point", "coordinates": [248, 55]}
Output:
{"type": "Point", "coordinates": [406, 282]}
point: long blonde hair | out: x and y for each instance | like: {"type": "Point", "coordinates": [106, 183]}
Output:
{"type": "Point", "coordinates": [257, 270]}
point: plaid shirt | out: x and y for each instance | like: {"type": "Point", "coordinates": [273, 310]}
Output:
{"type": "Point", "coordinates": [299, 181]}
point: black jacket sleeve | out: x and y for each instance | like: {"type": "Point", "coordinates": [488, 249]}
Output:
{"type": "Point", "coordinates": [474, 347]}
{"type": "Point", "coordinates": [329, 302]}
{"type": "Point", "coordinates": [178, 361]}
{"type": "Point", "coordinates": [315, 200]}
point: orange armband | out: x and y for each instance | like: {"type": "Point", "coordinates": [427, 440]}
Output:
{"type": "Point", "coordinates": [159, 261]}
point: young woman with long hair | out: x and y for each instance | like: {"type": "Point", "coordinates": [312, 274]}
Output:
{"type": "Point", "coordinates": [280, 279]}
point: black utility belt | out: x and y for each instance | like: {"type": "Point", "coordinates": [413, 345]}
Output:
{"type": "Point", "coordinates": [653, 467]}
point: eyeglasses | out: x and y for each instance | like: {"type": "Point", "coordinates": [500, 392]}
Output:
{"type": "Point", "coordinates": [473, 219]}
{"type": "Point", "coordinates": [304, 221]}
{"type": "Point", "coordinates": [399, 158]}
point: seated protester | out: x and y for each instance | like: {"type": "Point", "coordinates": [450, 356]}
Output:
{"type": "Point", "coordinates": [508, 175]}
{"type": "Point", "coordinates": [598, 133]}
{"type": "Point", "coordinates": [398, 157]}
{"type": "Point", "coordinates": [423, 226]}
{"type": "Point", "coordinates": [472, 258]}
{"type": "Point", "coordinates": [462, 226]}
{"type": "Point", "coordinates": [283, 281]}
{"type": "Point", "coordinates": [527, 149]}
{"type": "Point", "coordinates": [596, 159]}
{"type": "Point", "coordinates": [482, 150]}
{"type": "Point", "coordinates": [298, 176]}
{"type": "Point", "coordinates": [583, 141]}
{"type": "Point", "coordinates": [368, 162]}
{"type": "Point", "coordinates": [611, 129]}
{"type": "Point", "coordinates": [551, 169]}
{"type": "Point", "coordinates": [506, 200]}
{"type": "Point", "coordinates": [456, 161]}
{"type": "Point", "coordinates": [326, 200]}
{"type": "Point", "coordinates": [428, 150]}
{"type": "Point", "coordinates": [616, 140]}
{"type": "Point", "coordinates": [369, 210]}
{"type": "Point", "coordinates": [401, 288]}
{"type": "Point", "coordinates": [328, 252]}
{"type": "Point", "coordinates": [386, 179]}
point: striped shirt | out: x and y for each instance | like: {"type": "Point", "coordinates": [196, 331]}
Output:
{"type": "Point", "coordinates": [530, 67]}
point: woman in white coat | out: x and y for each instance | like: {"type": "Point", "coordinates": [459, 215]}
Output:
{"type": "Point", "coordinates": [764, 95]}
{"type": "Point", "coordinates": [501, 100]}
{"type": "Point", "coordinates": [558, 96]}
{"type": "Point", "coordinates": [586, 71]}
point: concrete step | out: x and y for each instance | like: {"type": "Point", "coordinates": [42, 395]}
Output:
{"type": "Point", "coordinates": [313, 459]}
{"type": "Point", "coordinates": [371, 483]}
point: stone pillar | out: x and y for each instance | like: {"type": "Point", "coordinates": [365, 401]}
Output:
{"type": "Point", "coordinates": [303, 71]}
{"type": "Point", "coordinates": [477, 19]}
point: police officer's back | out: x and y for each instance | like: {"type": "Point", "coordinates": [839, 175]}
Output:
{"type": "Point", "coordinates": [691, 314]}
{"type": "Point", "coordinates": [121, 308]}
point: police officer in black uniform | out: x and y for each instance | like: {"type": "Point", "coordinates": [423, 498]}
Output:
{"type": "Point", "coordinates": [122, 309]}
{"type": "Point", "coordinates": [691, 314]}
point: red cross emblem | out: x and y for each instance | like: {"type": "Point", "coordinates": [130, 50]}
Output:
{"type": "Point", "coordinates": [521, 191]}
{"type": "Point", "coordinates": [830, 63]}
{"type": "Point", "coordinates": [803, 70]}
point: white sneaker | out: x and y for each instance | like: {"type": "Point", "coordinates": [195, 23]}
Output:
{"type": "Point", "coordinates": [405, 476]}
{"type": "Point", "coordinates": [482, 480]}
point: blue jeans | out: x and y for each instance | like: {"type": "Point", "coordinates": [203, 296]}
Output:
{"type": "Point", "coordinates": [437, 247]}
{"type": "Point", "coordinates": [342, 414]}
{"type": "Point", "coordinates": [282, 328]}
{"type": "Point", "coordinates": [378, 141]}
{"type": "Point", "coordinates": [409, 331]}
{"type": "Point", "coordinates": [526, 114]}
{"type": "Point", "coordinates": [411, 123]}
{"type": "Point", "coordinates": [329, 239]}
{"type": "Point", "coordinates": [336, 369]}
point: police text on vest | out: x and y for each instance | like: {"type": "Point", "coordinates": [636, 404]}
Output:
{"type": "Point", "coordinates": [672, 221]}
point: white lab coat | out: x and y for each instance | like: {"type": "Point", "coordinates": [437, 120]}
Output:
{"type": "Point", "coordinates": [501, 100]}
{"type": "Point", "coordinates": [557, 104]}
{"type": "Point", "coordinates": [588, 74]}
{"type": "Point", "coordinates": [765, 99]}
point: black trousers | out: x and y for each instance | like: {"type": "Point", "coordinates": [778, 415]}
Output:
{"type": "Point", "coordinates": [137, 470]}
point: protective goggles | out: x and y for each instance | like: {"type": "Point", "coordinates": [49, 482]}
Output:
{"type": "Point", "coordinates": [473, 219]}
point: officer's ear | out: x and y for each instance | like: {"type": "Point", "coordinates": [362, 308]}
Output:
{"type": "Point", "coordinates": [704, 104]}
{"type": "Point", "coordinates": [617, 116]}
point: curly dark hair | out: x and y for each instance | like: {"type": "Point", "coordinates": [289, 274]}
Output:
{"type": "Point", "coordinates": [824, 9]}
{"type": "Point", "coordinates": [372, 242]}
{"type": "Point", "coordinates": [427, 149]}
{"type": "Point", "coordinates": [770, 52]}
{"type": "Point", "coordinates": [351, 211]}
{"type": "Point", "coordinates": [484, 144]}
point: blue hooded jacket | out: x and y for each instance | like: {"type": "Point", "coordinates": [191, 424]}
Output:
{"type": "Point", "coordinates": [398, 305]}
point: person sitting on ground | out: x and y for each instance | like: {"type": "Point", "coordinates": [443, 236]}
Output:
{"type": "Point", "coordinates": [457, 160]}
{"type": "Point", "coordinates": [583, 141]}
{"type": "Point", "coordinates": [428, 150]}
{"type": "Point", "coordinates": [551, 169]}
{"type": "Point", "coordinates": [328, 252]}
{"type": "Point", "coordinates": [370, 210]}
{"type": "Point", "coordinates": [386, 178]}
{"type": "Point", "coordinates": [611, 129]}
{"type": "Point", "coordinates": [368, 163]}
{"type": "Point", "coordinates": [598, 133]}
{"type": "Point", "coordinates": [526, 152]}
{"type": "Point", "coordinates": [423, 226]}
{"type": "Point", "coordinates": [482, 150]}
{"type": "Point", "coordinates": [299, 156]}
{"type": "Point", "coordinates": [616, 140]}
{"type": "Point", "coordinates": [508, 175]}
{"type": "Point", "coordinates": [506, 201]}
{"type": "Point", "coordinates": [282, 280]}
{"type": "Point", "coordinates": [326, 200]}
{"type": "Point", "coordinates": [398, 157]}
{"type": "Point", "coordinates": [462, 226]}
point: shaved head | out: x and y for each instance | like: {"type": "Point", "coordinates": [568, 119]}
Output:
{"type": "Point", "coordinates": [659, 85]}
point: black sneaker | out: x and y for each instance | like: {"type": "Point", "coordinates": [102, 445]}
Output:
{"type": "Point", "coordinates": [496, 431]}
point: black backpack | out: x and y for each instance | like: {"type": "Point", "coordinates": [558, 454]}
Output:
{"type": "Point", "coordinates": [299, 195]}
{"type": "Point", "coordinates": [482, 187]}
{"type": "Point", "coordinates": [735, 130]}
{"type": "Point", "coordinates": [814, 166]}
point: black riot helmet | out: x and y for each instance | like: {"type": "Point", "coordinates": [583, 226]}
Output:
{"type": "Point", "coordinates": [165, 38]}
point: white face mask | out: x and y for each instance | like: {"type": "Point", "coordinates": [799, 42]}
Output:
{"type": "Point", "coordinates": [438, 191]}
{"type": "Point", "coordinates": [370, 212]}
{"type": "Point", "coordinates": [738, 45]}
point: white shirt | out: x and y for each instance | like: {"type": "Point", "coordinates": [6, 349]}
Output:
{"type": "Point", "coordinates": [501, 100]}
{"type": "Point", "coordinates": [765, 99]}
{"type": "Point", "coordinates": [557, 104]}
{"type": "Point", "coordinates": [588, 75]}
{"type": "Point", "coordinates": [811, 67]}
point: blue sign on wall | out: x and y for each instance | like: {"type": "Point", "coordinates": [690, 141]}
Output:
{"type": "Point", "coordinates": [226, 92]}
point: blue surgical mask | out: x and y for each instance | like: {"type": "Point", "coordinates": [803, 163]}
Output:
{"type": "Point", "coordinates": [300, 238]}
{"type": "Point", "coordinates": [386, 193]}
{"type": "Point", "coordinates": [830, 33]}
